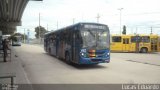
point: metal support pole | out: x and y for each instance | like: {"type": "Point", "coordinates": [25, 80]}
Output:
{"type": "Point", "coordinates": [98, 17]}
{"type": "Point", "coordinates": [24, 36]}
{"type": "Point", "coordinates": [39, 30]}
{"type": "Point", "coordinates": [57, 24]}
{"type": "Point", "coordinates": [28, 36]}
{"type": "Point", "coordinates": [73, 20]}
{"type": "Point", "coordinates": [12, 81]}
{"type": "Point", "coordinates": [120, 17]}
{"type": "Point", "coordinates": [151, 30]}
{"type": "Point", "coordinates": [136, 30]}
{"type": "Point", "coordinates": [47, 27]}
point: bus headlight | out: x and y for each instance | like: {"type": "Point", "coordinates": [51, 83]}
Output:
{"type": "Point", "coordinates": [107, 54]}
{"type": "Point", "coordinates": [83, 54]}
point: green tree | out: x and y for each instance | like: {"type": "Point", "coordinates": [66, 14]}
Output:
{"type": "Point", "coordinates": [124, 30]}
{"type": "Point", "coordinates": [40, 31]}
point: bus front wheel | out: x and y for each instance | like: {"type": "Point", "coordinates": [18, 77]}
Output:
{"type": "Point", "coordinates": [144, 50]}
{"type": "Point", "coordinates": [49, 51]}
{"type": "Point", "coordinates": [67, 58]}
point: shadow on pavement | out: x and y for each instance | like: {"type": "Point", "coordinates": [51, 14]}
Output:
{"type": "Point", "coordinates": [84, 67]}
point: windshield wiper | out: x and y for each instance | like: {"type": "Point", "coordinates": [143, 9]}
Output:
{"type": "Point", "coordinates": [91, 33]}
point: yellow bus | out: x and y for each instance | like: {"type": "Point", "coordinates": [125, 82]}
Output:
{"type": "Point", "coordinates": [159, 43]}
{"type": "Point", "coordinates": [134, 43]}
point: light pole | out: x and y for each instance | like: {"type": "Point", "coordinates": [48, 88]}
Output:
{"type": "Point", "coordinates": [28, 35]}
{"type": "Point", "coordinates": [98, 17]}
{"type": "Point", "coordinates": [57, 24]}
{"type": "Point", "coordinates": [47, 27]}
{"type": "Point", "coordinates": [120, 18]}
{"type": "Point", "coordinates": [39, 30]}
{"type": "Point", "coordinates": [136, 29]}
{"type": "Point", "coordinates": [73, 20]}
{"type": "Point", "coordinates": [151, 30]}
{"type": "Point", "coordinates": [24, 36]}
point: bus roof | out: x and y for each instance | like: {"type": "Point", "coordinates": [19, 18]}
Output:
{"type": "Point", "coordinates": [77, 24]}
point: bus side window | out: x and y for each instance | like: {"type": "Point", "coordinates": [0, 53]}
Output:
{"type": "Point", "coordinates": [146, 39]}
{"type": "Point", "coordinates": [50, 39]}
{"type": "Point", "coordinates": [54, 39]}
{"type": "Point", "coordinates": [68, 37]}
{"type": "Point", "coordinates": [116, 39]}
{"type": "Point", "coordinates": [78, 37]}
{"type": "Point", "coordinates": [133, 39]}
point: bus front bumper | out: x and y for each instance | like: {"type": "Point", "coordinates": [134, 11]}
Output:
{"type": "Point", "coordinates": [94, 60]}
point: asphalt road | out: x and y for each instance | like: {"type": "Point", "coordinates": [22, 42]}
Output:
{"type": "Point", "coordinates": [124, 68]}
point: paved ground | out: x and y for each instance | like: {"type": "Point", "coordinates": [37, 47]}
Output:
{"type": "Point", "coordinates": [13, 67]}
{"type": "Point", "coordinates": [145, 58]}
{"type": "Point", "coordinates": [42, 68]}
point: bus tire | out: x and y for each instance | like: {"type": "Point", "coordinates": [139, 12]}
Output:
{"type": "Point", "coordinates": [144, 50]}
{"type": "Point", "coordinates": [49, 51]}
{"type": "Point", "coordinates": [67, 58]}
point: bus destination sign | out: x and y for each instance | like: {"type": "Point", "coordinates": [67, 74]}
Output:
{"type": "Point", "coordinates": [88, 26]}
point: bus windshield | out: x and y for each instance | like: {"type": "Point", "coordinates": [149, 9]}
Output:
{"type": "Point", "coordinates": [16, 40]}
{"type": "Point", "coordinates": [95, 39]}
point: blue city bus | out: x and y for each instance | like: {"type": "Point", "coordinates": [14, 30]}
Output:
{"type": "Point", "coordinates": [81, 43]}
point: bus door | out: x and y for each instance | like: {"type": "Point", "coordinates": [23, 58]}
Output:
{"type": "Point", "coordinates": [73, 46]}
{"type": "Point", "coordinates": [57, 44]}
{"type": "Point", "coordinates": [135, 40]}
{"type": "Point", "coordinates": [154, 42]}
{"type": "Point", "coordinates": [76, 46]}
{"type": "Point", "coordinates": [126, 45]}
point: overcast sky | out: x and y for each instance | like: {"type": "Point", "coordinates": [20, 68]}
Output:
{"type": "Point", "coordinates": [137, 15]}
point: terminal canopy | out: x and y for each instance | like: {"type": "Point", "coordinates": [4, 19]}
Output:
{"type": "Point", "coordinates": [11, 12]}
